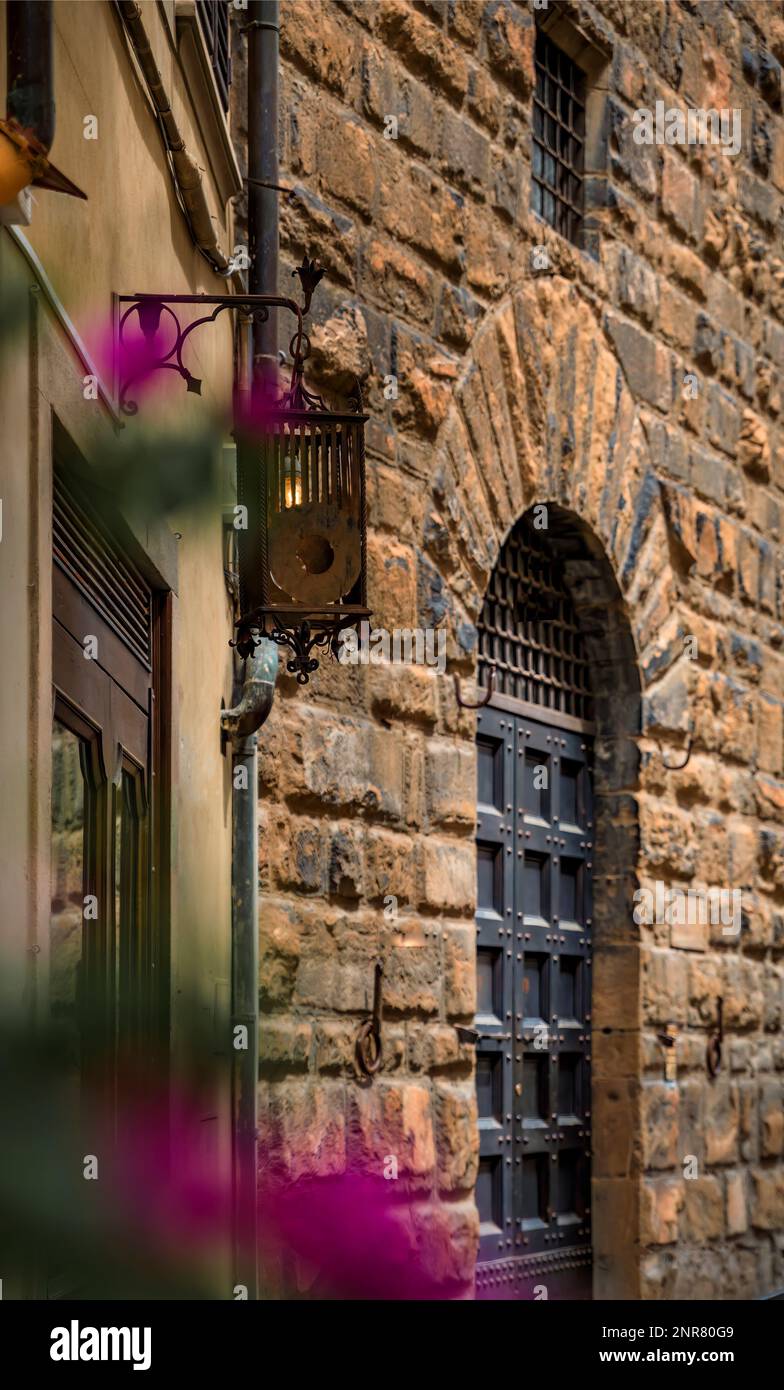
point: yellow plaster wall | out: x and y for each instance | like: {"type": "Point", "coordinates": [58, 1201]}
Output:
{"type": "Point", "coordinates": [130, 236]}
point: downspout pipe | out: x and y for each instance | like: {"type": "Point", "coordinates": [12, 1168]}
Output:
{"type": "Point", "coordinates": [241, 723]}
{"type": "Point", "coordinates": [263, 178]}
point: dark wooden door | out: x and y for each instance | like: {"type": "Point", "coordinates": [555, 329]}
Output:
{"type": "Point", "coordinates": [108, 976]}
{"type": "Point", "coordinates": [534, 845]}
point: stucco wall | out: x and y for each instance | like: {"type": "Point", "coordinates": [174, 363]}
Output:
{"type": "Point", "coordinates": [130, 236]}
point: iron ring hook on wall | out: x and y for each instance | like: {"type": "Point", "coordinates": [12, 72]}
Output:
{"type": "Point", "coordinates": [479, 704]}
{"type": "Point", "coordinates": [368, 1048]}
{"type": "Point", "coordinates": [676, 767]}
{"type": "Point", "coordinates": [713, 1050]}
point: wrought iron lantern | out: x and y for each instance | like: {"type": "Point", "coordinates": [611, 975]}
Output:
{"type": "Point", "coordinates": [301, 482]}
{"type": "Point", "coordinates": [307, 485]}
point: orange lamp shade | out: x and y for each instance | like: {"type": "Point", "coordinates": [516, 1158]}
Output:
{"type": "Point", "coordinates": [16, 167]}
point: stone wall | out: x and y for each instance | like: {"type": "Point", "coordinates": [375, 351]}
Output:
{"type": "Point", "coordinates": [572, 385]}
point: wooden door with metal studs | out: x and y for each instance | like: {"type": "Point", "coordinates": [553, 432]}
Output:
{"type": "Point", "coordinates": [533, 936]}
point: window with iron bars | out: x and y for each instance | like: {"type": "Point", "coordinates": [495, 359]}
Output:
{"type": "Point", "coordinates": [214, 21]}
{"type": "Point", "coordinates": [557, 193]}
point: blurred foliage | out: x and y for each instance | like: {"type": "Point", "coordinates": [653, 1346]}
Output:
{"type": "Point", "coordinates": [154, 1223]}
{"type": "Point", "coordinates": [151, 473]}
{"type": "Point", "coordinates": [14, 312]}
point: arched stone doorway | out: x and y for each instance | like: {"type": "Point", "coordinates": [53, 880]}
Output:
{"type": "Point", "coordinates": [543, 414]}
{"type": "Point", "coordinates": [556, 652]}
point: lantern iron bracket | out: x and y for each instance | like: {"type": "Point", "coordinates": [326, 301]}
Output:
{"type": "Point", "coordinates": [150, 307]}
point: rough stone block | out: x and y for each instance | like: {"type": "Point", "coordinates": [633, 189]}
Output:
{"type": "Point", "coordinates": [616, 1115]}
{"type": "Point", "coordinates": [664, 986]}
{"type": "Point", "coordinates": [767, 1201]}
{"type": "Point", "coordinates": [392, 1119]}
{"type": "Point", "coordinates": [449, 876]}
{"type": "Point", "coordinates": [448, 1239]}
{"type": "Point", "coordinates": [722, 1123]}
{"type": "Point", "coordinates": [659, 1122]}
{"type": "Point", "coordinates": [450, 783]}
{"type": "Point", "coordinates": [305, 1129]}
{"type": "Point", "coordinates": [458, 1136]}
{"type": "Point", "coordinates": [681, 196]}
{"type": "Point", "coordinates": [460, 972]}
{"type": "Point", "coordinates": [771, 1106]}
{"type": "Point", "coordinates": [645, 362]}
{"type": "Point", "coordinates": [737, 1211]}
{"type": "Point", "coordinates": [703, 1216]}
{"type": "Point", "coordinates": [662, 1203]}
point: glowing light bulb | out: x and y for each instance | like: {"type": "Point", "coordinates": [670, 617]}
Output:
{"type": "Point", "coordinates": [292, 482]}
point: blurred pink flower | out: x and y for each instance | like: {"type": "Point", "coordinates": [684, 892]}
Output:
{"type": "Point", "coordinates": [138, 362]}
{"type": "Point", "coordinates": [350, 1229]}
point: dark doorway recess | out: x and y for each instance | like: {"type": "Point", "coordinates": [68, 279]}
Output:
{"type": "Point", "coordinates": [553, 632]}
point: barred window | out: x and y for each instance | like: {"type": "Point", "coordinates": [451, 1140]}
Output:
{"type": "Point", "coordinates": [558, 139]}
{"type": "Point", "coordinates": [214, 21]}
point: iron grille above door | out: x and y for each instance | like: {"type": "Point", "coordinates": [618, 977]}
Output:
{"type": "Point", "coordinates": [528, 632]}
{"type": "Point", "coordinates": [533, 932]}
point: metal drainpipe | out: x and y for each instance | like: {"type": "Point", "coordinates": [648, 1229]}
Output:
{"type": "Point", "coordinates": [260, 670]}
{"type": "Point", "coordinates": [240, 724]}
{"type": "Point", "coordinates": [263, 45]}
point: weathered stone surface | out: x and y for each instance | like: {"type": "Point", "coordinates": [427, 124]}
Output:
{"type": "Point", "coordinates": [334, 1045]}
{"type": "Point", "coordinates": [767, 1202]}
{"type": "Point", "coordinates": [447, 1240]}
{"type": "Point", "coordinates": [660, 1125]}
{"type": "Point", "coordinates": [665, 987]}
{"type": "Point", "coordinates": [617, 1114]}
{"type": "Point", "coordinates": [515, 387]}
{"type": "Point", "coordinates": [450, 784]}
{"type": "Point", "coordinates": [284, 1043]}
{"type": "Point", "coordinates": [437, 1048]}
{"type": "Point", "coordinates": [721, 1123]}
{"type": "Point", "coordinates": [458, 1136]}
{"type": "Point", "coordinates": [396, 1120]}
{"type": "Point", "coordinates": [279, 948]}
{"type": "Point", "coordinates": [459, 972]}
{"type": "Point", "coordinates": [662, 1203]}
{"type": "Point", "coordinates": [772, 1119]}
{"type": "Point", "coordinates": [703, 1215]}
{"type": "Point", "coordinates": [645, 363]}
{"type": "Point", "coordinates": [737, 1217]}
{"type": "Point", "coordinates": [303, 1127]}
{"type": "Point", "coordinates": [448, 873]}
{"type": "Point", "coordinates": [412, 975]}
